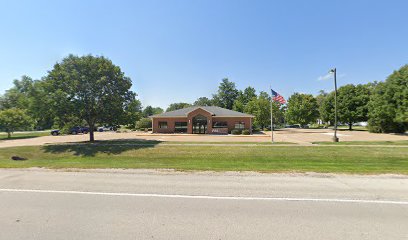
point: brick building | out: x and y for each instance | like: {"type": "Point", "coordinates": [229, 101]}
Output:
{"type": "Point", "coordinates": [201, 120]}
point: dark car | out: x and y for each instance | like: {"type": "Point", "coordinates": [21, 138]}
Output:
{"type": "Point", "coordinates": [293, 126]}
{"type": "Point", "coordinates": [76, 130]}
{"type": "Point", "coordinates": [55, 132]}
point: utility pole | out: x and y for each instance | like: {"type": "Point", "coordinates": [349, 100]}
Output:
{"type": "Point", "coordinates": [335, 138]}
{"type": "Point", "coordinates": [271, 119]}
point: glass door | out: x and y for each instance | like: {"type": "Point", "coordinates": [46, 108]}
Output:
{"type": "Point", "coordinates": [199, 124]}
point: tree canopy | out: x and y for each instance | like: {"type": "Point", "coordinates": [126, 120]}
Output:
{"type": "Point", "coordinates": [302, 109]}
{"type": "Point", "coordinates": [149, 111]}
{"type": "Point", "coordinates": [260, 107]}
{"type": "Point", "coordinates": [90, 88]}
{"type": "Point", "coordinates": [13, 119]}
{"type": "Point", "coordinates": [353, 104]}
{"type": "Point", "coordinates": [226, 94]}
{"type": "Point", "coordinates": [244, 97]}
{"type": "Point", "coordinates": [203, 101]}
{"type": "Point", "coordinates": [388, 106]}
{"type": "Point", "coordinates": [176, 106]}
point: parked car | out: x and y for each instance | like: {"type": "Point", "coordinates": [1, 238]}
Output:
{"type": "Point", "coordinates": [106, 128]}
{"type": "Point", "coordinates": [293, 126]}
{"type": "Point", "coordinates": [55, 132]}
{"type": "Point", "coordinates": [76, 130]}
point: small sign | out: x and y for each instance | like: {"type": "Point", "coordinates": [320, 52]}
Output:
{"type": "Point", "coordinates": [219, 130]}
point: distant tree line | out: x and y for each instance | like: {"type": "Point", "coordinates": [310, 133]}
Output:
{"type": "Point", "coordinates": [92, 91]}
{"type": "Point", "coordinates": [384, 105]}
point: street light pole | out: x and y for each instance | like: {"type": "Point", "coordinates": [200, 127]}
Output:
{"type": "Point", "coordinates": [335, 138]}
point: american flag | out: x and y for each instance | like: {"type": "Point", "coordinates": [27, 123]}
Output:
{"type": "Point", "coordinates": [277, 97]}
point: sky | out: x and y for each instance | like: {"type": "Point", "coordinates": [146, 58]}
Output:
{"type": "Point", "coordinates": [177, 51]}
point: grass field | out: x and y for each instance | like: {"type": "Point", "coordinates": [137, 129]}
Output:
{"type": "Point", "coordinates": [3, 136]}
{"type": "Point", "coordinates": [365, 143]}
{"type": "Point", "coordinates": [338, 159]}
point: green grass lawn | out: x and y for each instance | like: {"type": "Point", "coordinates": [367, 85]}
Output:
{"type": "Point", "coordinates": [3, 136]}
{"type": "Point", "coordinates": [403, 142]}
{"type": "Point", "coordinates": [362, 160]}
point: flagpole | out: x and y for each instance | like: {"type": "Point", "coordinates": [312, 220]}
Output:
{"type": "Point", "coordinates": [271, 115]}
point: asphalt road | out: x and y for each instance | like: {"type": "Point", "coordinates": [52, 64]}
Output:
{"type": "Point", "coordinates": [137, 204]}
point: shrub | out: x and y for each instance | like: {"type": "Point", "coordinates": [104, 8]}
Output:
{"type": "Point", "coordinates": [245, 132]}
{"type": "Point", "coordinates": [144, 123]}
{"type": "Point", "coordinates": [236, 132]}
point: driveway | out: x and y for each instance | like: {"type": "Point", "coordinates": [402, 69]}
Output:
{"type": "Point", "coordinates": [300, 136]}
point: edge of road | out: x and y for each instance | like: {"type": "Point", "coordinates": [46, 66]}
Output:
{"type": "Point", "coordinates": [207, 173]}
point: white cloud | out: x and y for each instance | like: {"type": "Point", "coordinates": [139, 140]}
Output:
{"type": "Point", "coordinates": [325, 77]}
{"type": "Point", "coordinates": [330, 76]}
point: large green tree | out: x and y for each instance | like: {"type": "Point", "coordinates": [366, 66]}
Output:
{"type": "Point", "coordinates": [18, 95]}
{"type": "Point", "coordinates": [89, 88]}
{"type": "Point", "coordinates": [13, 119]}
{"type": "Point", "coordinates": [29, 94]}
{"type": "Point", "coordinates": [176, 106]}
{"type": "Point", "coordinates": [226, 95]}
{"type": "Point", "coordinates": [326, 107]}
{"type": "Point", "coordinates": [149, 111]}
{"type": "Point", "coordinates": [132, 113]}
{"type": "Point", "coordinates": [388, 106]}
{"type": "Point", "coordinates": [302, 109]}
{"type": "Point", "coordinates": [243, 99]}
{"type": "Point", "coordinates": [353, 104]}
{"type": "Point", "coordinates": [260, 107]}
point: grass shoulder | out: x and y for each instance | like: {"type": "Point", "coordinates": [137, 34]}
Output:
{"type": "Point", "coordinates": [402, 142]}
{"type": "Point", "coordinates": [328, 159]}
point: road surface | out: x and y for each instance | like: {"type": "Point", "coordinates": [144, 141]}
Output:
{"type": "Point", "coordinates": [142, 204]}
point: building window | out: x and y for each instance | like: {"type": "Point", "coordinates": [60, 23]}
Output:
{"type": "Point", "coordinates": [239, 125]}
{"type": "Point", "coordinates": [220, 125]}
{"type": "Point", "coordinates": [180, 127]}
{"type": "Point", "coordinates": [162, 124]}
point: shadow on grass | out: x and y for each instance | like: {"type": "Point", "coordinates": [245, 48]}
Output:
{"type": "Point", "coordinates": [89, 149]}
{"type": "Point", "coordinates": [352, 130]}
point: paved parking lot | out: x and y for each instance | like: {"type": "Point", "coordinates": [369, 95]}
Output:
{"type": "Point", "coordinates": [300, 136]}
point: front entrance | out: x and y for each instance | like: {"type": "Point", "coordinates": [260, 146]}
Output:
{"type": "Point", "coordinates": [199, 124]}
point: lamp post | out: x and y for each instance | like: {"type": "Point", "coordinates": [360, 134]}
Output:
{"type": "Point", "coordinates": [334, 71]}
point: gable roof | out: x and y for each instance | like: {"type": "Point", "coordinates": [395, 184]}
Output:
{"type": "Point", "coordinates": [215, 111]}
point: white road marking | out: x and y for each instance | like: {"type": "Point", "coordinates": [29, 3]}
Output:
{"type": "Point", "coordinates": [335, 200]}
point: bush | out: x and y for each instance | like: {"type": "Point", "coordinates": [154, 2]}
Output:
{"type": "Point", "coordinates": [245, 132]}
{"type": "Point", "coordinates": [144, 123]}
{"type": "Point", "coordinates": [236, 132]}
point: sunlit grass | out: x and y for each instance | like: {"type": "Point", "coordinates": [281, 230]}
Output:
{"type": "Point", "coordinates": [339, 159]}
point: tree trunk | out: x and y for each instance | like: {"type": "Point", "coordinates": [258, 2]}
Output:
{"type": "Point", "coordinates": [8, 134]}
{"type": "Point", "coordinates": [350, 126]}
{"type": "Point", "coordinates": [91, 134]}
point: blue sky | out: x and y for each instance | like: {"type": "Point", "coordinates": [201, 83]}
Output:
{"type": "Point", "coordinates": [180, 50]}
